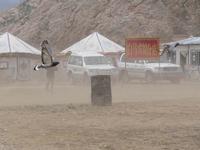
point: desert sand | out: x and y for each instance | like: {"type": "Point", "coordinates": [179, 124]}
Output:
{"type": "Point", "coordinates": [159, 116]}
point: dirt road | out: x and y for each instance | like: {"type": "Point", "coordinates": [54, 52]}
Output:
{"type": "Point", "coordinates": [143, 117]}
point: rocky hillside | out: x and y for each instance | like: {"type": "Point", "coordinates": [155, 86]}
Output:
{"type": "Point", "coordinates": [64, 22]}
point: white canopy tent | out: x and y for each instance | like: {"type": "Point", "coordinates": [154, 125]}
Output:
{"type": "Point", "coordinates": [97, 43]}
{"type": "Point", "coordinates": [12, 44]}
{"type": "Point", "coordinates": [17, 58]}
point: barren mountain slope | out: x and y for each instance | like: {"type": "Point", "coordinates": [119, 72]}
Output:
{"type": "Point", "coordinates": [64, 22]}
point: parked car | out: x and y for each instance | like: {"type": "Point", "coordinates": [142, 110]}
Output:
{"type": "Point", "coordinates": [149, 70]}
{"type": "Point", "coordinates": [83, 65]}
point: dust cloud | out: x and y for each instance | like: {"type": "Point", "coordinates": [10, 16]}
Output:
{"type": "Point", "coordinates": [143, 116]}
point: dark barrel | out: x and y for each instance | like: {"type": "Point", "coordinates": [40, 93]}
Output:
{"type": "Point", "coordinates": [101, 94]}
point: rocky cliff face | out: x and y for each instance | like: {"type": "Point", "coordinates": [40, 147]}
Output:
{"type": "Point", "coordinates": [64, 22]}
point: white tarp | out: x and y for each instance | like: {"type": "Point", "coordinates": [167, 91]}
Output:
{"type": "Point", "coordinates": [97, 43]}
{"type": "Point", "coordinates": [11, 44]}
{"type": "Point", "coordinates": [188, 41]}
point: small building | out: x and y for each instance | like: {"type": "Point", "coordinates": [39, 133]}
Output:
{"type": "Point", "coordinates": [17, 58]}
{"type": "Point", "coordinates": [184, 52]}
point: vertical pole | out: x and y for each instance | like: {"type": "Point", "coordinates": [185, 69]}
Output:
{"type": "Point", "coordinates": [188, 62]}
{"type": "Point", "coordinates": [125, 61]}
{"type": "Point", "coordinates": [159, 59]}
{"type": "Point", "coordinates": [159, 68]}
{"type": "Point", "coordinates": [188, 55]}
{"type": "Point", "coordinates": [9, 44]}
{"type": "Point", "coordinates": [17, 72]}
{"type": "Point", "coordinates": [125, 53]}
{"type": "Point", "coordinates": [198, 59]}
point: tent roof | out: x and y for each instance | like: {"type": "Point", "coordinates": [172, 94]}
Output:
{"type": "Point", "coordinates": [188, 41]}
{"type": "Point", "coordinates": [95, 42]}
{"type": "Point", "coordinates": [11, 44]}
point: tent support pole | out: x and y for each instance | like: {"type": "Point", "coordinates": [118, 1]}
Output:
{"type": "Point", "coordinates": [17, 67]}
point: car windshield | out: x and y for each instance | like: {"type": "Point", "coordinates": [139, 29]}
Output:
{"type": "Point", "coordinates": [151, 61]}
{"type": "Point", "coordinates": [155, 61]}
{"type": "Point", "coordinates": [96, 60]}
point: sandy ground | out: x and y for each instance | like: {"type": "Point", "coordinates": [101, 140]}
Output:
{"type": "Point", "coordinates": [143, 117]}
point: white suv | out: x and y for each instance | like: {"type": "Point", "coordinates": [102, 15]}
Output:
{"type": "Point", "coordinates": [149, 70]}
{"type": "Point", "coordinates": [83, 65]}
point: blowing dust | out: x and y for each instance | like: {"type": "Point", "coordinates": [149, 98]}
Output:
{"type": "Point", "coordinates": [143, 116]}
{"type": "Point", "coordinates": [36, 93]}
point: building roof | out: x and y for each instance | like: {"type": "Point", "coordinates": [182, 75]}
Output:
{"type": "Point", "coordinates": [188, 41]}
{"type": "Point", "coordinates": [12, 44]}
{"type": "Point", "coordinates": [95, 42]}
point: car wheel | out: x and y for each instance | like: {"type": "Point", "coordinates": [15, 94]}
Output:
{"type": "Point", "coordinates": [86, 79]}
{"type": "Point", "coordinates": [70, 79]}
{"type": "Point", "coordinates": [175, 81]}
{"type": "Point", "coordinates": [123, 77]}
{"type": "Point", "coordinates": [149, 77]}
